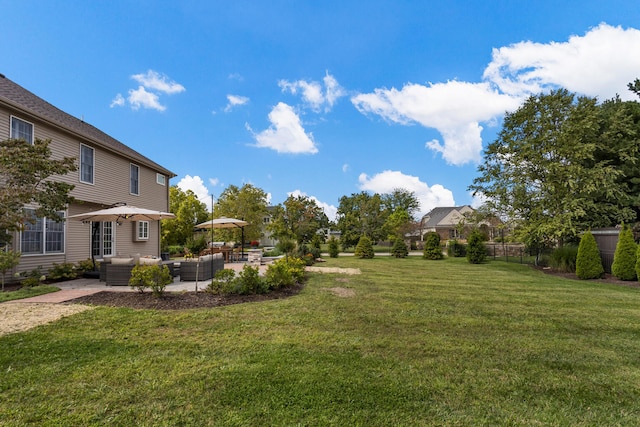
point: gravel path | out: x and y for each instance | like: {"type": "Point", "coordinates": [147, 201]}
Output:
{"type": "Point", "coordinates": [18, 317]}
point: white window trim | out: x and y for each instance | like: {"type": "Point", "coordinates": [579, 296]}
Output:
{"type": "Point", "coordinates": [159, 180]}
{"type": "Point", "coordinates": [33, 127]}
{"type": "Point", "coordinates": [44, 239]}
{"type": "Point", "coordinates": [93, 171]}
{"type": "Point", "coordinates": [142, 230]}
{"type": "Point", "coordinates": [130, 176]}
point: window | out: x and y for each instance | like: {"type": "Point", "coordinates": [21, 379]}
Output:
{"type": "Point", "coordinates": [160, 179]}
{"type": "Point", "coordinates": [134, 186]}
{"type": "Point", "coordinates": [86, 164]}
{"type": "Point", "coordinates": [43, 235]}
{"type": "Point", "coordinates": [21, 130]}
{"type": "Point", "coordinates": [142, 232]}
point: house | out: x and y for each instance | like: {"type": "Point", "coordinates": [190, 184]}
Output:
{"type": "Point", "coordinates": [108, 172]}
{"type": "Point", "coordinates": [449, 223]}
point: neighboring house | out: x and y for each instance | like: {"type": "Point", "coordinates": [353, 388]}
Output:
{"type": "Point", "coordinates": [108, 172]}
{"type": "Point", "coordinates": [267, 238]}
{"type": "Point", "coordinates": [449, 223]}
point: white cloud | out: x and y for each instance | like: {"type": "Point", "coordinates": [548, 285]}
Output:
{"type": "Point", "coordinates": [158, 82]}
{"type": "Point", "coordinates": [118, 101]}
{"type": "Point", "coordinates": [345, 167]}
{"type": "Point", "coordinates": [286, 134]}
{"type": "Point", "coordinates": [453, 108]}
{"type": "Point", "coordinates": [235, 76]}
{"type": "Point", "coordinates": [141, 98]}
{"type": "Point", "coordinates": [329, 210]}
{"type": "Point", "coordinates": [600, 63]}
{"type": "Point", "coordinates": [387, 181]}
{"type": "Point", "coordinates": [147, 95]}
{"type": "Point", "coordinates": [313, 94]}
{"type": "Point", "coordinates": [195, 184]}
{"type": "Point", "coordinates": [214, 181]}
{"type": "Point", "coordinates": [234, 101]}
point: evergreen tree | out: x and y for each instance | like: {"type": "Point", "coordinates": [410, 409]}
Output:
{"type": "Point", "coordinates": [364, 248]}
{"type": "Point", "coordinates": [476, 252]}
{"type": "Point", "coordinates": [399, 249]}
{"type": "Point", "coordinates": [432, 249]}
{"type": "Point", "coordinates": [334, 249]}
{"type": "Point", "coordinates": [588, 262]}
{"type": "Point", "coordinates": [624, 258]}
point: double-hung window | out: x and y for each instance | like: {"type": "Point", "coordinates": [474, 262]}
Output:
{"type": "Point", "coordinates": [143, 230]}
{"type": "Point", "coordinates": [21, 130]}
{"type": "Point", "coordinates": [134, 183]}
{"type": "Point", "coordinates": [42, 235]}
{"type": "Point", "coordinates": [87, 161]}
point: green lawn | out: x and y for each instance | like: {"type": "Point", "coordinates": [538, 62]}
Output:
{"type": "Point", "coordinates": [421, 343]}
{"type": "Point", "coordinates": [27, 292]}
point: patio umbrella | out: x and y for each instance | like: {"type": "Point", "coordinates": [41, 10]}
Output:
{"type": "Point", "coordinates": [121, 213]}
{"type": "Point", "coordinates": [224, 222]}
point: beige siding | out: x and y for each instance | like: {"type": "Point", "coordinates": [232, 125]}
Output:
{"type": "Point", "coordinates": [111, 185]}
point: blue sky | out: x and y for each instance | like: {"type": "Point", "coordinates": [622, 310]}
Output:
{"type": "Point", "coordinates": [323, 99]}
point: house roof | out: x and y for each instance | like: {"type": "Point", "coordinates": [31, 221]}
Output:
{"type": "Point", "coordinates": [18, 98]}
{"type": "Point", "coordinates": [435, 217]}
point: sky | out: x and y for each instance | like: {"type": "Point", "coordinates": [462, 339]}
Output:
{"type": "Point", "coordinates": [321, 99]}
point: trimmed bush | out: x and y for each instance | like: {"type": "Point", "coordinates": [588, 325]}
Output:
{"type": "Point", "coordinates": [364, 248]}
{"type": "Point", "coordinates": [588, 262]}
{"type": "Point", "coordinates": [432, 249]}
{"type": "Point", "coordinates": [624, 258]}
{"type": "Point", "coordinates": [156, 277]}
{"type": "Point", "coordinates": [476, 252]}
{"type": "Point", "coordinates": [399, 249]}
{"type": "Point", "coordinates": [334, 249]}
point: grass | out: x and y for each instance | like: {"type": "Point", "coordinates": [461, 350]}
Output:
{"type": "Point", "coordinates": [27, 292]}
{"type": "Point", "coordinates": [421, 343]}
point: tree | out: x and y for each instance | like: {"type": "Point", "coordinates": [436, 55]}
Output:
{"type": "Point", "coordinates": [248, 203]}
{"type": "Point", "coordinates": [588, 262]}
{"type": "Point", "coordinates": [476, 252]}
{"type": "Point", "coordinates": [334, 250]}
{"type": "Point", "coordinates": [189, 211]}
{"type": "Point", "coordinates": [432, 249]}
{"type": "Point", "coordinates": [364, 248]}
{"type": "Point", "coordinates": [624, 258]}
{"type": "Point", "coordinates": [360, 214]}
{"type": "Point", "coordinates": [542, 172]}
{"type": "Point", "coordinates": [8, 260]}
{"type": "Point", "coordinates": [298, 218]}
{"type": "Point", "coordinates": [399, 249]}
{"type": "Point", "coordinates": [26, 172]}
{"type": "Point", "coordinates": [397, 224]}
{"type": "Point", "coordinates": [401, 199]}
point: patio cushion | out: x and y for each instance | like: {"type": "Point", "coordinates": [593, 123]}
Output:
{"type": "Point", "coordinates": [150, 261]}
{"type": "Point", "coordinates": [121, 261]}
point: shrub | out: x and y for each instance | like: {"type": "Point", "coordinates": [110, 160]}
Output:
{"type": "Point", "coordinates": [334, 249]}
{"type": "Point", "coordinates": [222, 282]}
{"type": "Point", "coordinates": [284, 272]}
{"type": "Point", "coordinates": [64, 271]}
{"type": "Point", "coordinates": [196, 246]}
{"type": "Point", "coordinates": [250, 282]}
{"type": "Point", "coordinates": [286, 245]}
{"type": "Point", "coordinates": [564, 258]}
{"type": "Point", "coordinates": [364, 248]}
{"type": "Point", "coordinates": [8, 260]}
{"type": "Point", "coordinates": [624, 258]}
{"type": "Point", "coordinates": [588, 263]}
{"type": "Point", "coordinates": [432, 249]}
{"type": "Point", "coordinates": [86, 265]}
{"type": "Point", "coordinates": [156, 277]}
{"type": "Point", "coordinates": [476, 251]}
{"type": "Point", "coordinates": [175, 249]}
{"type": "Point", "coordinates": [456, 249]}
{"type": "Point", "coordinates": [33, 278]}
{"type": "Point", "coordinates": [399, 249]}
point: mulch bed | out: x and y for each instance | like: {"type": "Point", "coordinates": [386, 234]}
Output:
{"type": "Point", "coordinates": [179, 300]}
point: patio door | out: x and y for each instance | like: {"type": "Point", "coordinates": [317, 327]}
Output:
{"type": "Point", "coordinates": [102, 239]}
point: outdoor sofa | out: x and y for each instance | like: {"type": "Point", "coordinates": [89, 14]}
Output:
{"type": "Point", "coordinates": [201, 268]}
{"type": "Point", "coordinates": [117, 271]}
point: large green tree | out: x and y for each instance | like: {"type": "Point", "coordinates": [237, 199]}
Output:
{"type": "Point", "coordinates": [298, 218]}
{"type": "Point", "coordinates": [189, 211]}
{"type": "Point", "coordinates": [360, 214]}
{"type": "Point", "coordinates": [28, 176]}
{"type": "Point", "coordinates": [542, 171]}
{"type": "Point", "coordinates": [248, 203]}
